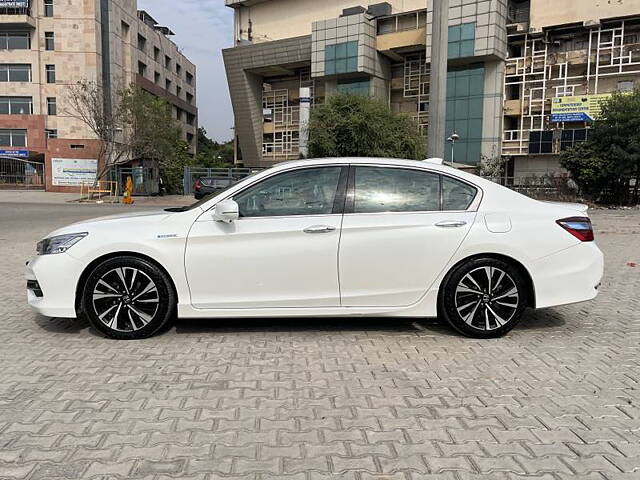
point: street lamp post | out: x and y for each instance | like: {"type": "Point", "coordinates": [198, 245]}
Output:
{"type": "Point", "coordinates": [452, 140]}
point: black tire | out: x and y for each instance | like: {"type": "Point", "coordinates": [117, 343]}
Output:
{"type": "Point", "coordinates": [484, 297]}
{"type": "Point", "coordinates": [132, 309]}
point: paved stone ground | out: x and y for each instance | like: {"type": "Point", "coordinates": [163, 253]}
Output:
{"type": "Point", "coordinates": [315, 399]}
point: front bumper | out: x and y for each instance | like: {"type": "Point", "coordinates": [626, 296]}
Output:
{"type": "Point", "coordinates": [57, 277]}
{"type": "Point", "coordinates": [570, 276]}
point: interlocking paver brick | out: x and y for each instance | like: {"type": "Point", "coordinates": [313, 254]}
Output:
{"type": "Point", "coordinates": [322, 399]}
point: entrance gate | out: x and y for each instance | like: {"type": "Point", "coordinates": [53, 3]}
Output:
{"type": "Point", "coordinates": [18, 173]}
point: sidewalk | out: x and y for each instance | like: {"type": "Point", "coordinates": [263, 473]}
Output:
{"type": "Point", "coordinates": [36, 196]}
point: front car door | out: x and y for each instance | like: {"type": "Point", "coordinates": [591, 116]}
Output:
{"type": "Point", "coordinates": [400, 229]}
{"type": "Point", "coordinates": [281, 252]}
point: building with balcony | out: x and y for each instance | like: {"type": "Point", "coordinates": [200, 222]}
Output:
{"type": "Point", "coordinates": [523, 75]}
{"type": "Point", "coordinates": [48, 45]}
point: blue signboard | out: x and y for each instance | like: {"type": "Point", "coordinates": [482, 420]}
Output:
{"type": "Point", "coordinates": [15, 153]}
{"type": "Point", "coordinates": [571, 117]}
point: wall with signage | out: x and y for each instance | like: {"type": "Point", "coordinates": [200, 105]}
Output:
{"type": "Point", "coordinates": [585, 108]}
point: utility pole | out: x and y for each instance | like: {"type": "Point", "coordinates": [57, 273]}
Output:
{"type": "Point", "coordinates": [438, 88]}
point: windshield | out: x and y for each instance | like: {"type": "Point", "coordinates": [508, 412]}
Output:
{"type": "Point", "coordinates": [208, 197]}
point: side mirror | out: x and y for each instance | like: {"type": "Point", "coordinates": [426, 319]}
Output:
{"type": "Point", "coordinates": [226, 211]}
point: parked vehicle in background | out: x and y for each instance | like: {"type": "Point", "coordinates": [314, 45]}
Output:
{"type": "Point", "coordinates": [207, 185]}
{"type": "Point", "coordinates": [325, 237]}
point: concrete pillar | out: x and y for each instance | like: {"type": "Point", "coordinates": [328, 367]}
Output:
{"type": "Point", "coordinates": [305, 110]}
{"type": "Point", "coordinates": [438, 88]}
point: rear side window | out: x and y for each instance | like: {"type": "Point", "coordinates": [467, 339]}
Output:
{"type": "Point", "coordinates": [380, 189]}
{"type": "Point", "coordinates": [456, 195]}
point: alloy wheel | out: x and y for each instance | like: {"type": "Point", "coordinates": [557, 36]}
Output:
{"type": "Point", "coordinates": [487, 298]}
{"type": "Point", "coordinates": [125, 299]}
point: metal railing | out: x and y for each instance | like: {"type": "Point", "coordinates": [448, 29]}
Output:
{"type": "Point", "coordinates": [17, 173]}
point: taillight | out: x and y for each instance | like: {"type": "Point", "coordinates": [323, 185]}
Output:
{"type": "Point", "coordinates": [198, 184]}
{"type": "Point", "coordinates": [579, 227]}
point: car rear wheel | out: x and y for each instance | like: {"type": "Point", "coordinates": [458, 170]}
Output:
{"type": "Point", "coordinates": [128, 298]}
{"type": "Point", "coordinates": [484, 298]}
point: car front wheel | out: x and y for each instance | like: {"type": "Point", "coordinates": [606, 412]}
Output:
{"type": "Point", "coordinates": [484, 297]}
{"type": "Point", "coordinates": [128, 298]}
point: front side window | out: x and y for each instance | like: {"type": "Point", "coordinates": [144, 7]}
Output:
{"type": "Point", "coordinates": [456, 195]}
{"type": "Point", "coordinates": [310, 191]}
{"type": "Point", "coordinates": [13, 137]}
{"type": "Point", "coordinates": [15, 73]}
{"type": "Point", "coordinates": [383, 189]}
{"type": "Point", "coordinates": [16, 106]}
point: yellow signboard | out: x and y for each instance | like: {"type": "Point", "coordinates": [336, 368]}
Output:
{"type": "Point", "coordinates": [585, 108]}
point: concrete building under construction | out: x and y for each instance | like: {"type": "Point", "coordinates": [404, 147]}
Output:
{"type": "Point", "coordinates": [523, 82]}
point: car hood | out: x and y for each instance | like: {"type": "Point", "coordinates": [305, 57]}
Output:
{"type": "Point", "coordinates": [122, 219]}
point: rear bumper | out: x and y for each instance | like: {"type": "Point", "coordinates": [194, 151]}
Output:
{"type": "Point", "coordinates": [57, 277]}
{"type": "Point", "coordinates": [570, 276]}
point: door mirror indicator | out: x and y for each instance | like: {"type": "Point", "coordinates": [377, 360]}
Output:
{"type": "Point", "coordinates": [226, 211]}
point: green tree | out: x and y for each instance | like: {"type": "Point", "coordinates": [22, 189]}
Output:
{"type": "Point", "coordinates": [212, 154]}
{"type": "Point", "coordinates": [605, 165]}
{"type": "Point", "coordinates": [349, 125]}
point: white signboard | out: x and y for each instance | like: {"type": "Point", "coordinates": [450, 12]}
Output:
{"type": "Point", "coordinates": [73, 172]}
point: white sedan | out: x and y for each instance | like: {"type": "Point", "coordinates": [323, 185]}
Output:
{"type": "Point", "coordinates": [325, 237]}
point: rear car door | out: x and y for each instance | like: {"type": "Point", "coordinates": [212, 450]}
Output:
{"type": "Point", "coordinates": [400, 229]}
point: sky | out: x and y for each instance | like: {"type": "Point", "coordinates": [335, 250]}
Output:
{"type": "Point", "coordinates": [203, 28]}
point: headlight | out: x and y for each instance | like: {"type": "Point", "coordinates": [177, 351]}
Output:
{"type": "Point", "coordinates": [59, 243]}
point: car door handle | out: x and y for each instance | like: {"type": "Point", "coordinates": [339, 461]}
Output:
{"type": "Point", "coordinates": [319, 229]}
{"type": "Point", "coordinates": [451, 224]}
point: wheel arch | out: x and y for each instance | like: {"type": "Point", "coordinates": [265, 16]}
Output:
{"type": "Point", "coordinates": [94, 263]}
{"type": "Point", "coordinates": [531, 291]}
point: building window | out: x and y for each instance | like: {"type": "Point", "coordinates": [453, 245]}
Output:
{"type": "Point", "coordinates": [49, 41]}
{"type": "Point", "coordinates": [15, 73]}
{"type": "Point", "coordinates": [462, 40]}
{"type": "Point", "coordinates": [51, 132]}
{"type": "Point", "coordinates": [156, 53]}
{"type": "Point", "coordinates": [189, 79]}
{"type": "Point", "coordinates": [50, 71]}
{"type": "Point", "coordinates": [76, 146]}
{"type": "Point", "coordinates": [356, 87]}
{"type": "Point", "coordinates": [156, 78]}
{"type": "Point", "coordinates": [124, 30]}
{"type": "Point", "coordinates": [189, 98]}
{"type": "Point", "coordinates": [142, 69]}
{"type": "Point", "coordinates": [48, 8]}
{"type": "Point", "coordinates": [190, 138]}
{"type": "Point", "coordinates": [16, 106]}
{"type": "Point", "coordinates": [625, 86]}
{"type": "Point", "coordinates": [142, 43]}
{"type": "Point", "coordinates": [191, 118]}
{"type": "Point", "coordinates": [15, 41]}
{"type": "Point", "coordinates": [13, 137]}
{"type": "Point", "coordinates": [541, 142]}
{"type": "Point", "coordinates": [167, 61]}
{"type": "Point", "coordinates": [571, 138]}
{"type": "Point", "coordinates": [178, 91]}
{"type": "Point", "coordinates": [167, 84]}
{"type": "Point", "coordinates": [341, 58]}
{"type": "Point", "coordinates": [52, 107]}
{"type": "Point", "coordinates": [178, 69]}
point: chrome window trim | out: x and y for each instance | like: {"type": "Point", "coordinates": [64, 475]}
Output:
{"type": "Point", "coordinates": [473, 207]}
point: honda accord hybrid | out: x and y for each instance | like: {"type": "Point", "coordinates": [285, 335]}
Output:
{"type": "Point", "coordinates": [324, 238]}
